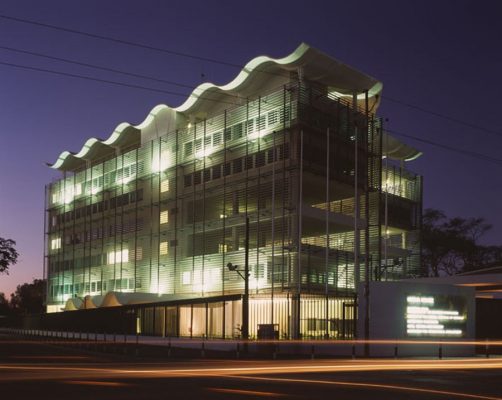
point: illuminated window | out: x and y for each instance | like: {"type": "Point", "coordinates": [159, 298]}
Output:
{"type": "Point", "coordinates": [250, 126]}
{"type": "Point", "coordinates": [273, 117]}
{"type": "Point", "coordinates": [164, 186]}
{"type": "Point", "coordinates": [164, 248]}
{"type": "Point", "coordinates": [217, 138]}
{"type": "Point", "coordinates": [237, 131]}
{"type": "Point", "coordinates": [164, 217]}
{"type": "Point", "coordinates": [124, 256]}
{"type": "Point", "coordinates": [139, 253]}
{"type": "Point", "coordinates": [222, 248]}
{"type": "Point", "coordinates": [260, 122]}
{"type": "Point", "coordinates": [188, 149]}
{"type": "Point", "coordinates": [56, 244]}
{"type": "Point", "coordinates": [197, 277]}
{"type": "Point", "coordinates": [118, 256]}
{"type": "Point", "coordinates": [198, 145]}
{"type": "Point", "coordinates": [161, 162]}
{"type": "Point", "coordinates": [186, 278]}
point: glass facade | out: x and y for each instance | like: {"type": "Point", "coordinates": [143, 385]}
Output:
{"type": "Point", "coordinates": [165, 216]}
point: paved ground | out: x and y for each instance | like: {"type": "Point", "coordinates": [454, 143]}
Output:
{"type": "Point", "coordinates": [31, 370]}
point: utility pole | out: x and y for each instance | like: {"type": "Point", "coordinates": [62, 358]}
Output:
{"type": "Point", "coordinates": [357, 273]}
{"type": "Point", "coordinates": [245, 276]}
{"type": "Point", "coordinates": [245, 300]}
{"type": "Point", "coordinates": [367, 273]}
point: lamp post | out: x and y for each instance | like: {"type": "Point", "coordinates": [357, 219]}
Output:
{"type": "Point", "coordinates": [245, 276]}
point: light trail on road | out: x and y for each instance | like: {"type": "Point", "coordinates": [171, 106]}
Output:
{"type": "Point", "coordinates": [372, 386]}
{"type": "Point", "coordinates": [97, 383]}
{"type": "Point", "coordinates": [245, 392]}
{"type": "Point", "coordinates": [234, 368]}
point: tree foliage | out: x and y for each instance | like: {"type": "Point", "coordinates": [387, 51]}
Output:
{"type": "Point", "coordinates": [4, 305]}
{"type": "Point", "coordinates": [8, 254]}
{"type": "Point", "coordinates": [451, 245]}
{"type": "Point", "coordinates": [29, 297]}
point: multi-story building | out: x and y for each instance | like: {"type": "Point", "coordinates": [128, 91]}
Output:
{"type": "Point", "coordinates": [287, 165]}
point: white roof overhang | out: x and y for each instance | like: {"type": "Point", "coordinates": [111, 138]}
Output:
{"type": "Point", "coordinates": [207, 98]}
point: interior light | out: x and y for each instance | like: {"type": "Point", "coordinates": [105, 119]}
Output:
{"type": "Point", "coordinates": [159, 165]}
{"type": "Point", "coordinates": [203, 153]}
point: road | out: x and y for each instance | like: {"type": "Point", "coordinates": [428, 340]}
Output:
{"type": "Point", "coordinates": [31, 370]}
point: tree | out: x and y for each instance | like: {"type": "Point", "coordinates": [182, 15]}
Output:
{"type": "Point", "coordinates": [29, 297]}
{"type": "Point", "coordinates": [8, 254]}
{"type": "Point", "coordinates": [4, 305]}
{"type": "Point", "coordinates": [451, 245]}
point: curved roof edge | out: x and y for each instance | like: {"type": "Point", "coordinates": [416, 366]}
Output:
{"type": "Point", "coordinates": [397, 150]}
{"type": "Point", "coordinates": [250, 68]}
{"type": "Point", "coordinates": [322, 66]}
{"type": "Point", "coordinates": [319, 66]}
{"type": "Point", "coordinates": [67, 157]}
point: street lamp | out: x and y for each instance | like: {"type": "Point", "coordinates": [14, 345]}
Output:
{"type": "Point", "coordinates": [245, 276]}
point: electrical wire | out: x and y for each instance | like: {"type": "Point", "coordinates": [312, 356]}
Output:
{"type": "Point", "coordinates": [108, 69]}
{"type": "Point", "coordinates": [443, 116]}
{"type": "Point", "coordinates": [90, 78]}
{"type": "Point", "coordinates": [94, 66]}
{"type": "Point", "coordinates": [479, 156]}
{"type": "Point", "coordinates": [117, 40]}
{"type": "Point", "coordinates": [476, 155]}
{"type": "Point", "coordinates": [229, 64]}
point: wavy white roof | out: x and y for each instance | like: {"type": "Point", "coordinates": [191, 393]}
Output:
{"type": "Point", "coordinates": [397, 150]}
{"type": "Point", "coordinates": [209, 99]}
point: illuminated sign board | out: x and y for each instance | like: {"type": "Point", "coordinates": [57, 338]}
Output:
{"type": "Point", "coordinates": [440, 315]}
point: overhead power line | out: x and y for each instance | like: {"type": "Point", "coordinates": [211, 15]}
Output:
{"type": "Point", "coordinates": [117, 40]}
{"type": "Point", "coordinates": [88, 65]}
{"type": "Point", "coordinates": [131, 43]}
{"type": "Point", "coordinates": [90, 78]}
{"type": "Point", "coordinates": [107, 69]}
{"type": "Point", "coordinates": [228, 64]}
{"type": "Point", "coordinates": [479, 156]}
{"type": "Point", "coordinates": [444, 116]}
{"type": "Point", "coordinates": [476, 155]}
{"type": "Point", "coordinates": [113, 70]}
{"type": "Point", "coordinates": [116, 83]}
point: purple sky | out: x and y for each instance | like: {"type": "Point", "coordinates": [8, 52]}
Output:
{"type": "Point", "coordinates": [444, 56]}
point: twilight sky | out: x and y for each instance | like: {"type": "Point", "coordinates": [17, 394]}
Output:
{"type": "Point", "coordinates": [443, 56]}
